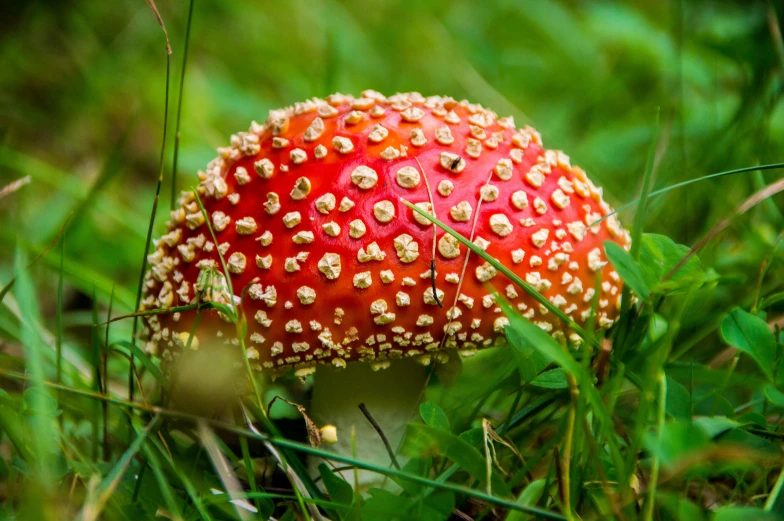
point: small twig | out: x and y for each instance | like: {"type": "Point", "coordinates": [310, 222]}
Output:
{"type": "Point", "coordinates": [160, 311]}
{"type": "Point", "coordinates": [314, 433]}
{"type": "Point", "coordinates": [154, 9]}
{"type": "Point", "coordinates": [462, 515]}
{"type": "Point", "coordinates": [381, 434]}
{"type": "Point", "coordinates": [14, 186]}
{"type": "Point", "coordinates": [433, 282]}
{"type": "Point", "coordinates": [775, 32]}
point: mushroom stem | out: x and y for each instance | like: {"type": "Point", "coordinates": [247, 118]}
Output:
{"type": "Point", "coordinates": [390, 395]}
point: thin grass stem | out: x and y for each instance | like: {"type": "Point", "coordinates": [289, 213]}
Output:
{"type": "Point", "coordinates": [179, 106]}
{"type": "Point", "coordinates": [654, 478]}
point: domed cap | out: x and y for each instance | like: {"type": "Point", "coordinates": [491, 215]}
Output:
{"type": "Point", "coordinates": [329, 266]}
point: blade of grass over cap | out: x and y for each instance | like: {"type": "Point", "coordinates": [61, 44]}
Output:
{"type": "Point", "coordinates": [225, 269]}
{"type": "Point", "coordinates": [628, 269]}
{"type": "Point", "coordinates": [502, 269]}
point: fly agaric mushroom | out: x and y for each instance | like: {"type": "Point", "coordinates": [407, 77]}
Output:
{"type": "Point", "coordinates": [330, 267]}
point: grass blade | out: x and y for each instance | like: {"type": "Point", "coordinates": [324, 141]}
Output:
{"type": "Point", "coordinates": [222, 468]}
{"type": "Point", "coordinates": [41, 420]}
{"type": "Point", "coordinates": [300, 447]}
{"type": "Point", "coordinates": [95, 348]}
{"type": "Point", "coordinates": [661, 191]}
{"type": "Point", "coordinates": [163, 483]}
{"type": "Point", "coordinates": [502, 269]}
{"type": "Point", "coordinates": [132, 367]}
{"type": "Point", "coordinates": [647, 182]}
{"type": "Point", "coordinates": [59, 337]}
{"type": "Point", "coordinates": [93, 506]}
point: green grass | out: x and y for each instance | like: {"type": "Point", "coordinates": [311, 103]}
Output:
{"type": "Point", "coordinates": [681, 420]}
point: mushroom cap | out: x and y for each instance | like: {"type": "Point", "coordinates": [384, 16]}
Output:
{"type": "Point", "coordinates": [329, 266]}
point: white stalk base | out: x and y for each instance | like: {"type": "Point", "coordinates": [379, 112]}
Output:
{"type": "Point", "coordinates": [391, 396]}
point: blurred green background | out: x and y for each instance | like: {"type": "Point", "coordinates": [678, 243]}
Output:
{"type": "Point", "coordinates": [82, 103]}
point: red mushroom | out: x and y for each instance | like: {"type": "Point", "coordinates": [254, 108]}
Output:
{"type": "Point", "coordinates": [307, 212]}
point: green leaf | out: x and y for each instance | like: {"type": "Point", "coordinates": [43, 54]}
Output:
{"type": "Point", "coordinates": [745, 514]}
{"type": "Point", "coordinates": [553, 379]}
{"type": "Point", "coordinates": [38, 401]}
{"type": "Point", "coordinates": [338, 488]}
{"type": "Point", "coordinates": [525, 335]}
{"type": "Point", "coordinates": [678, 439]}
{"type": "Point", "coordinates": [383, 505]}
{"type": "Point", "coordinates": [529, 497]}
{"type": "Point", "coordinates": [628, 269]}
{"type": "Point", "coordinates": [438, 506]}
{"type": "Point", "coordinates": [13, 425]}
{"type": "Point", "coordinates": [657, 328]}
{"type": "Point", "coordinates": [750, 334]}
{"type": "Point", "coordinates": [226, 310]}
{"type": "Point", "coordinates": [753, 418]}
{"type": "Point", "coordinates": [418, 467]}
{"type": "Point", "coordinates": [290, 515]}
{"type": "Point", "coordinates": [742, 438]}
{"type": "Point", "coordinates": [678, 402]}
{"type": "Point", "coordinates": [434, 416]}
{"type": "Point", "coordinates": [529, 360]}
{"type": "Point", "coordinates": [473, 436]}
{"type": "Point", "coordinates": [772, 299]}
{"type": "Point", "coordinates": [661, 255]}
{"type": "Point", "coordinates": [679, 508]}
{"type": "Point", "coordinates": [145, 360]}
{"type": "Point", "coordinates": [422, 439]}
{"type": "Point", "coordinates": [775, 396]}
{"type": "Point", "coordinates": [716, 425]}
